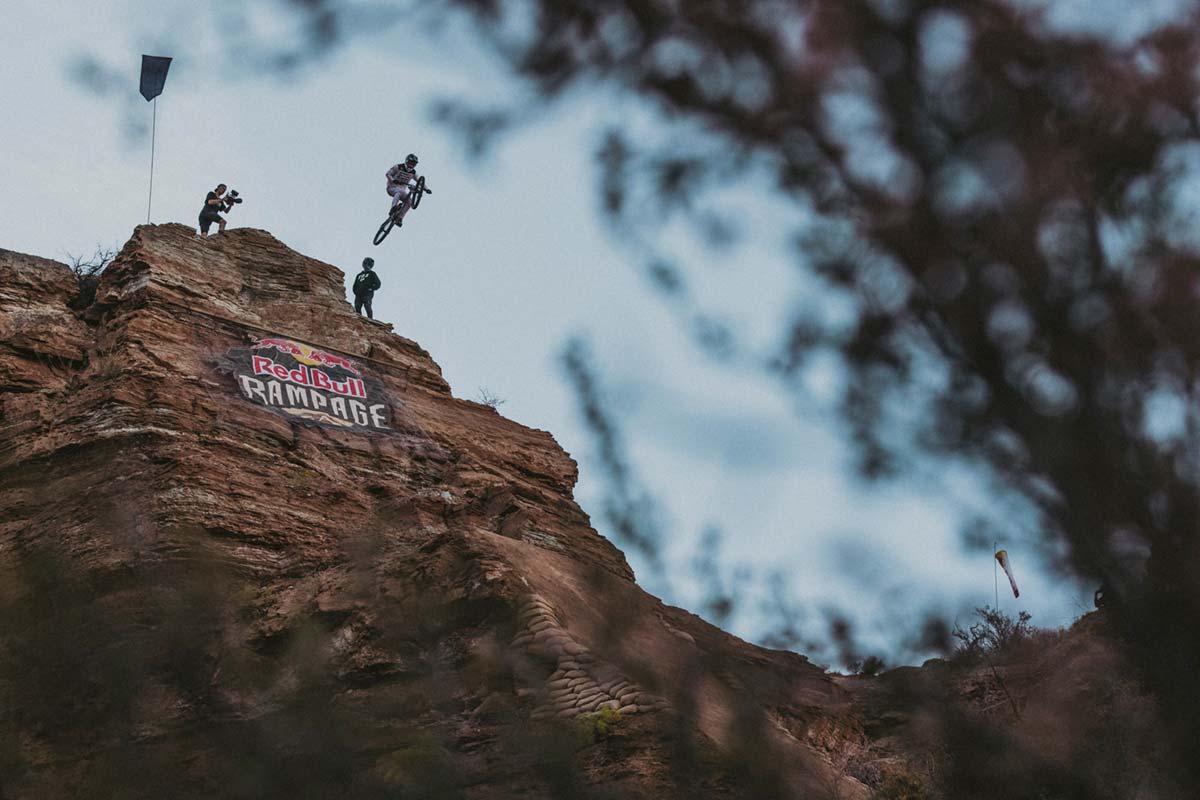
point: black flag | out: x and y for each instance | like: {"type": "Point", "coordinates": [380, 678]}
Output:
{"type": "Point", "coordinates": [154, 75]}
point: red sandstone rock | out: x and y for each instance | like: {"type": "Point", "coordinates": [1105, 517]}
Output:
{"type": "Point", "coordinates": [362, 607]}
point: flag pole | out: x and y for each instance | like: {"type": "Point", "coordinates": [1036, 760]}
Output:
{"type": "Point", "coordinates": [154, 75]}
{"type": "Point", "coordinates": [153, 135]}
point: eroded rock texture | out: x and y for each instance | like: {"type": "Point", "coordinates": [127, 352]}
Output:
{"type": "Point", "coordinates": [202, 596]}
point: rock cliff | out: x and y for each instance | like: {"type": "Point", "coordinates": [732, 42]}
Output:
{"type": "Point", "coordinates": [251, 545]}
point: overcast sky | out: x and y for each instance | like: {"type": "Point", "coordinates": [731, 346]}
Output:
{"type": "Point", "coordinates": [493, 274]}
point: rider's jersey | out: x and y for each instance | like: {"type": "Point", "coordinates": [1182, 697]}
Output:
{"type": "Point", "coordinates": [400, 175]}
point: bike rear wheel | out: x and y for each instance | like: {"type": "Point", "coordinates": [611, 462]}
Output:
{"type": "Point", "coordinates": [384, 229]}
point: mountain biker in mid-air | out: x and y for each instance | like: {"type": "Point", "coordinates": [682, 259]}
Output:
{"type": "Point", "coordinates": [400, 181]}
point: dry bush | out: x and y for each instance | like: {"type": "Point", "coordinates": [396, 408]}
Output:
{"type": "Point", "coordinates": [994, 634]}
{"type": "Point", "coordinates": [87, 271]}
{"type": "Point", "coordinates": [487, 398]}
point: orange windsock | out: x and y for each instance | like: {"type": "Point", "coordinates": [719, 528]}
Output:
{"type": "Point", "coordinates": [1002, 557]}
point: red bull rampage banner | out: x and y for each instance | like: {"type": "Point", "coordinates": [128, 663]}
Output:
{"type": "Point", "coordinates": [312, 385]}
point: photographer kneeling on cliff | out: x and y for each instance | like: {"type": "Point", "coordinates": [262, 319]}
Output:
{"type": "Point", "coordinates": [215, 203]}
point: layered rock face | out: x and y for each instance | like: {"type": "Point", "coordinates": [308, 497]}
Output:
{"type": "Point", "coordinates": [251, 545]}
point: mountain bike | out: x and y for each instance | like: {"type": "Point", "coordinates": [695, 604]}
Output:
{"type": "Point", "coordinates": [415, 195]}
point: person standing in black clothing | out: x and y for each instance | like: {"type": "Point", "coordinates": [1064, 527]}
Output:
{"type": "Point", "coordinates": [213, 204]}
{"type": "Point", "coordinates": [366, 283]}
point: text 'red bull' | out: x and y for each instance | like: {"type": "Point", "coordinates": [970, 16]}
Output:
{"type": "Point", "coordinates": [303, 375]}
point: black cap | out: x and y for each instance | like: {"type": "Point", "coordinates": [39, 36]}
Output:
{"type": "Point", "coordinates": [368, 262]}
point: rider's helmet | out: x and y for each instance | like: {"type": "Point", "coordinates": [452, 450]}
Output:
{"type": "Point", "coordinates": [368, 262]}
{"type": "Point", "coordinates": [410, 160]}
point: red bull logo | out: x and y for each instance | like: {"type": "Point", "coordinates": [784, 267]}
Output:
{"type": "Point", "coordinates": [309, 356]}
{"type": "Point", "coordinates": [309, 384]}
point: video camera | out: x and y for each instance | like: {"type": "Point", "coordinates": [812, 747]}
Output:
{"type": "Point", "coordinates": [231, 199]}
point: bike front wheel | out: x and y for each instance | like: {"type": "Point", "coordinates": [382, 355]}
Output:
{"type": "Point", "coordinates": [418, 192]}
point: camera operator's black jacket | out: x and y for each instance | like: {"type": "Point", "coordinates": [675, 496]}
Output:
{"type": "Point", "coordinates": [209, 210]}
{"type": "Point", "coordinates": [366, 283]}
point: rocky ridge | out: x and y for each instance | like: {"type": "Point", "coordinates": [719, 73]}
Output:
{"type": "Point", "coordinates": [431, 586]}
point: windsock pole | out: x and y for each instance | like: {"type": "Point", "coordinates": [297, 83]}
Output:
{"type": "Point", "coordinates": [153, 135]}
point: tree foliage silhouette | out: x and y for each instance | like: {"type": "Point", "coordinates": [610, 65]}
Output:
{"type": "Point", "coordinates": [1008, 208]}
